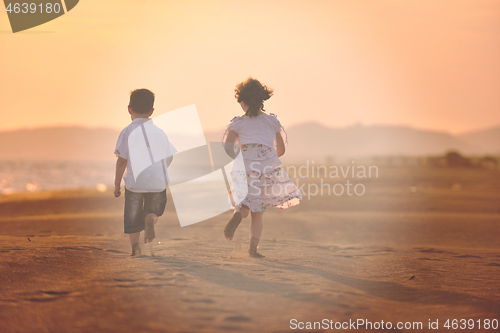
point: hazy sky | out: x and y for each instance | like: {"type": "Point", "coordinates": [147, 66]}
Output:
{"type": "Point", "coordinates": [428, 64]}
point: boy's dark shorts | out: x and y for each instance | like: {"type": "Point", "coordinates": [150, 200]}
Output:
{"type": "Point", "coordinates": [138, 205]}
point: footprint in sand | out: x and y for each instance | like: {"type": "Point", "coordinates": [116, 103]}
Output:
{"type": "Point", "coordinates": [284, 279]}
{"type": "Point", "coordinates": [493, 264]}
{"type": "Point", "coordinates": [115, 251]}
{"type": "Point", "coordinates": [429, 250]}
{"type": "Point", "coordinates": [228, 328]}
{"type": "Point", "coordinates": [56, 292]}
{"type": "Point", "coordinates": [125, 280]}
{"type": "Point", "coordinates": [430, 259]}
{"type": "Point", "coordinates": [203, 300]}
{"type": "Point", "coordinates": [238, 319]}
{"type": "Point", "coordinates": [161, 278]}
{"type": "Point", "coordinates": [46, 296]}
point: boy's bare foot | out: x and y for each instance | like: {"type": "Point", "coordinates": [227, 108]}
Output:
{"type": "Point", "coordinates": [136, 250]}
{"type": "Point", "coordinates": [149, 231]}
{"type": "Point", "coordinates": [231, 226]}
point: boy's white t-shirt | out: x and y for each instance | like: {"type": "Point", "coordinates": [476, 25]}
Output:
{"type": "Point", "coordinates": [150, 149]}
{"type": "Point", "coordinates": [259, 129]}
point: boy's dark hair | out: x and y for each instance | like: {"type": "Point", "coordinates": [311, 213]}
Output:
{"type": "Point", "coordinates": [142, 101]}
{"type": "Point", "coordinates": [252, 93]}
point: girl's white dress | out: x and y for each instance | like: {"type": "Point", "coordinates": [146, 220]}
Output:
{"type": "Point", "coordinates": [266, 178]}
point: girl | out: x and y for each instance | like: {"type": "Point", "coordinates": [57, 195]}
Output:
{"type": "Point", "coordinates": [262, 140]}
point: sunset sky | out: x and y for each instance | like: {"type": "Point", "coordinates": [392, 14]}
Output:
{"type": "Point", "coordinates": [426, 64]}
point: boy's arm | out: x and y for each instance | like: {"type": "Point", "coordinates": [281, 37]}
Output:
{"type": "Point", "coordinates": [121, 165]}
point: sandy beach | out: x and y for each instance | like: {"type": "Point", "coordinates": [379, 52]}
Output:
{"type": "Point", "coordinates": [421, 244]}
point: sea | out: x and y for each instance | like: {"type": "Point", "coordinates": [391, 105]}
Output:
{"type": "Point", "coordinates": [17, 176]}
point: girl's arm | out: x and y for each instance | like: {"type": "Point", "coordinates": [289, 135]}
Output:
{"type": "Point", "coordinates": [229, 146]}
{"type": "Point", "coordinates": [280, 145]}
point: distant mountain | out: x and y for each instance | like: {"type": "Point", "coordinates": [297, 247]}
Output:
{"type": "Point", "coordinates": [306, 141]}
{"type": "Point", "coordinates": [487, 141]}
{"type": "Point", "coordinates": [54, 143]}
{"type": "Point", "coordinates": [313, 139]}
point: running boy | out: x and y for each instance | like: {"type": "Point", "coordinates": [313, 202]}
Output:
{"type": "Point", "coordinates": [137, 148]}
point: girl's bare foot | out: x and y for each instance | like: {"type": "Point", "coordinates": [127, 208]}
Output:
{"type": "Point", "coordinates": [231, 226]}
{"type": "Point", "coordinates": [149, 230]}
{"type": "Point", "coordinates": [253, 248]}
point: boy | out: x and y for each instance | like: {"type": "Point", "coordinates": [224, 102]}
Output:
{"type": "Point", "coordinates": [137, 148]}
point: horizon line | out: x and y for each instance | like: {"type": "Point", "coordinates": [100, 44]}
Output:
{"type": "Point", "coordinates": [356, 124]}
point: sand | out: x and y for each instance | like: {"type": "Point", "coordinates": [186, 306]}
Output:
{"type": "Point", "coordinates": [416, 247]}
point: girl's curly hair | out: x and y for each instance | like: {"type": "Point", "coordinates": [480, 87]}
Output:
{"type": "Point", "coordinates": [252, 93]}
